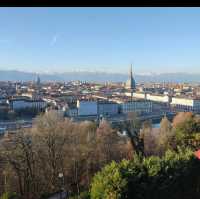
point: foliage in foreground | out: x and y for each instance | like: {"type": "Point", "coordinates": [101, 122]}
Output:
{"type": "Point", "coordinates": [175, 175]}
{"type": "Point", "coordinates": [33, 158]}
{"type": "Point", "coordinates": [8, 195]}
{"type": "Point", "coordinates": [83, 195]}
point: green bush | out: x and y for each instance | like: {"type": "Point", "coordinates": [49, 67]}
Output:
{"type": "Point", "coordinates": [8, 195]}
{"type": "Point", "coordinates": [83, 195]}
{"type": "Point", "coordinates": [176, 175]}
{"type": "Point", "coordinates": [110, 182]}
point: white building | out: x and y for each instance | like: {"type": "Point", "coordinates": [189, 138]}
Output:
{"type": "Point", "coordinates": [86, 107]}
{"type": "Point", "coordinates": [185, 104]}
{"type": "Point", "coordinates": [158, 98]}
{"type": "Point", "coordinates": [17, 104]}
{"type": "Point", "coordinates": [49, 100]}
{"type": "Point", "coordinates": [30, 95]}
{"type": "Point", "coordinates": [152, 97]}
{"type": "Point", "coordinates": [136, 95]}
{"type": "Point", "coordinates": [139, 106]}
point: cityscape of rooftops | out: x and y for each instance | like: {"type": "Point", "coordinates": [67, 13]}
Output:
{"type": "Point", "coordinates": [99, 103]}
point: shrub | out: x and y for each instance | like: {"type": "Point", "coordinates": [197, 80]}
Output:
{"type": "Point", "coordinates": [109, 183]}
{"type": "Point", "coordinates": [8, 195]}
{"type": "Point", "coordinates": [175, 175]}
{"type": "Point", "coordinates": [83, 195]}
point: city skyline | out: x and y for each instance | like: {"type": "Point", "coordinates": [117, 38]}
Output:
{"type": "Point", "coordinates": [99, 102]}
{"type": "Point", "coordinates": [154, 40]}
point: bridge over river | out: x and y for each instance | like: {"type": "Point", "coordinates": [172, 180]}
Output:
{"type": "Point", "coordinates": [13, 125]}
{"type": "Point", "coordinates": [158, 116]}
{"type": "Point", "coordinates": [154, 117]}
{"type": "Point", "coordinates": [115, 119]}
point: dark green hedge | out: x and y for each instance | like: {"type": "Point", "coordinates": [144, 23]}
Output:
{"type": "Point", "coordinates": [174, 176]}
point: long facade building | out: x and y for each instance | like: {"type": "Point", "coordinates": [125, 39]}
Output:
{"type": "Point", "coordinates": [176, 103]}
{"type": "Point", "coordinates": [112, 108]}
{"type": "Point", "coordinates": [138, 106]}
{"type": "Point", "coordinates": [86, 107]}
{"type": "Point", "coordinates": [150, 96]}
{"type": "Point", "coordinates": [136, 95]}
{"type": "Point", "coordinates": [17, 104]}
{"type": "Point", "coordinates": [158, 98]}
{"type": "Point", "coordinates": [185, 104]}
{"type": "Point", "coordinates": [108, 108]}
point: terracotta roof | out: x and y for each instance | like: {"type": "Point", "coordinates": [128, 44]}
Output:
{"type": "Point", "coordinates": [197, 154]}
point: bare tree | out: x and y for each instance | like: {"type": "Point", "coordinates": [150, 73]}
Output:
{"type": "Point", "coordinates": [132, 127]}
{"type": "Point", "coordinates": [21, 156]}
{"type": "Point", "coordinates": [181, 118]}
{"type": "Point", "coordinates": [56, 145]}
{"type": "Point", "coordinates": [149, 137]}
{"type": "Point", "coordinates": [165, 135]}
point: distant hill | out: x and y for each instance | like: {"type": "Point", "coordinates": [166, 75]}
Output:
{"type": "Point", "coordinates": [98, 77]}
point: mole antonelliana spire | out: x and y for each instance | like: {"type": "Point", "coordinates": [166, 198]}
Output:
{"type": "Point", "coordinates": [38, 80]}
{"type": "Point", "coordinates": [130, 84]}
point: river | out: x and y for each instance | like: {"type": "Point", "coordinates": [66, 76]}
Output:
{"type": "Point", "coordinates": [156, 125]}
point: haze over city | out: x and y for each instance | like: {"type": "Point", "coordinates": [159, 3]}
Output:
{"type": "Point", "coordinates": [156, 40]}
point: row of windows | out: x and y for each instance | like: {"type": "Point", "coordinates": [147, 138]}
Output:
{"type": "Point", "coordinates": [186, 107]}
{"type": "Point", "coordinates": [30, 105]}
{"type": "Point", "coordinates": [137, 106]}
{"type": "Point", "coordinates": [141, 111]}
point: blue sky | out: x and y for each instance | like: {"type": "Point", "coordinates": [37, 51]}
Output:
{"type": "Point", "coordinates": [155, 40]}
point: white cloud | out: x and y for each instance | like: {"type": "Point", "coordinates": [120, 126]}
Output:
{"type": "Point", "coordinates": [54, 39]}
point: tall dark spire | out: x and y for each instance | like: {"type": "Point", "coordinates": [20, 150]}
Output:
{"type": "Point", "coordinates": [38, 80]}
{"type": "Point", "coordinates": [131, 73]}
{"type": "Point", "coordinates": [130, 84]}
